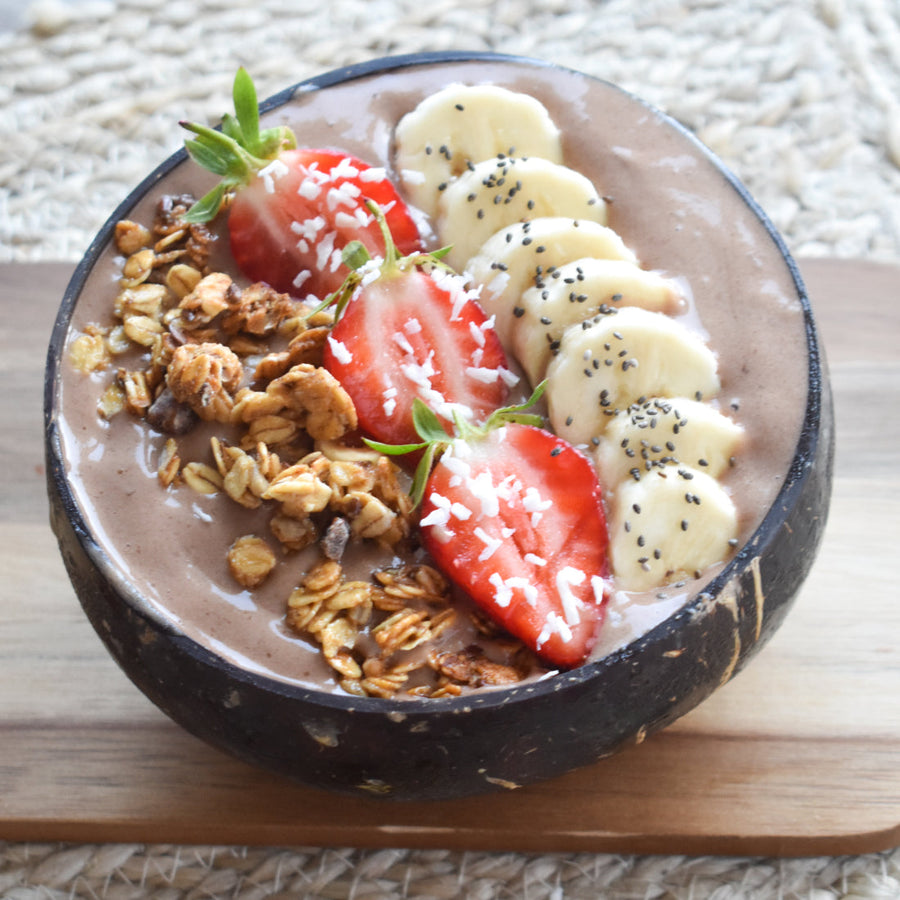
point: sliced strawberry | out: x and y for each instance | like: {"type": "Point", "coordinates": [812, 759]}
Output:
{"type": "Point", "coordinates": [292, 210]}
{"type": "Point", "coordinates": [515, 519]}
{"type": "Point", "coordinates": [291, 222]}
{"type": "Point", "coordinates": [411, 330]}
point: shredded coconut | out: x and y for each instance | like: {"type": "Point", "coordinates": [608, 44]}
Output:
{"type": "Point", "coordinates": [373, 173]}
{"type": "Point", "coordinates": [413, 176]}
{"type": "Point", "coordinates": [483, 375]}
{"type": "Point", "coordinates": [440, 515]}
{"type": "Point", "coordinates": [565, 578]}
{"type": "Point", "coordinates": [301, 278]}
{"type": "Point", "coordinates": [534, 504]}
{"type": "Point", "coordinates": [309, 189]}
{"type": "Point", "coordinates": [324, 250]}
{"type": "Point", "coordinates": [275, 169]}
{"type": "Point", "coordinates": [344, 169]}
{"type": "Point", "coordinates": [340, 351]}
{"type": "Point", "coordinates": [402, 342]}
{"type": "Point", "coordinates": [491, 544]}
{"type": "Point", "coordinates": [554, 624]}
{"type": "Point", "coordinates": [346, 220]}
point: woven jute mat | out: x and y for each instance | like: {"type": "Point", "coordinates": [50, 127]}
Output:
{"type": "Point", "coordinates": [801, 100]}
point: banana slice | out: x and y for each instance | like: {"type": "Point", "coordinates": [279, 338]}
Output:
{"type": "Point", "coordinates": [577, 291]}
{"type": "Point", "coordinates": [669, 525]}
{"type": "Point", "coordinates": [613, 361]}
{"type": "Point", "coordinates": [662, 433]}
{"type": "Point", "coordinates": [498, 192]}
{"type": "Point", "coordinates": [519, 256]}
{"type": "Point", "coordinates": [463, 124]}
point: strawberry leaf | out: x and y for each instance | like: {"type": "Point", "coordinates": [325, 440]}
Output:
{"type": "Point", "coordinates": [246, 108]}
{"type": "Point", "coordinates": [394, 449]}
{"type": "Point", "coordinates": [355, 255]}
{"type": "Point", "coordinates": [210, 157]}
{"type": "Point", "coordinates": [423, 470]}
{"type": "Point", "coordinates": [518, 412]}
{"type": "Point", "coordinates": [428, 425]}
{"type": "Point", "coordinates": [232, 128]}
{"type": "Point", "coordinates": [238, 150]}
{"type": "Point", "coordinates": [205, 209]}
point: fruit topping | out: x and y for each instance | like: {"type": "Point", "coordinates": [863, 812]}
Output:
{"type": "Point", "coordinates": [291, 210]}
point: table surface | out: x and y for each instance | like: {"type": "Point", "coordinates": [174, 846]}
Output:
{"type": "Point", "coordinates": [798, 755]}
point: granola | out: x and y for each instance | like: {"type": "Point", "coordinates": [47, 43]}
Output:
{"type": "Point", "coordinates": [245, 362]}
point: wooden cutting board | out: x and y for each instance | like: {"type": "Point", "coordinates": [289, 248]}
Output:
{"type": "Point", "coordinates": [798, 755]}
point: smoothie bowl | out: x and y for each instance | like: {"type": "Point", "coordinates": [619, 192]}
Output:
{"type": "Point", "coordinates": [465, 424]}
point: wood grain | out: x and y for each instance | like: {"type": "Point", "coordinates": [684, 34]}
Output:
{"type": "Point", "coordinates": [798, 755]}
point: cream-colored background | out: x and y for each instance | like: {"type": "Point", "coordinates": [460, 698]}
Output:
{"type": "Point", "coordinates": [801, 99]}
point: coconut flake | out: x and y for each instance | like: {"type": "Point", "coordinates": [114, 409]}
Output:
{"type": "Point", "coordinates": [324, 250]}
{"type": "Point", "coordinates": [344, 169]}
{"type": "Point", "coordinates": [402, 342]}
{"type": "Point", "coordinates": [491, 544]}
{"type": "Point", "coordinates": [275, 169]}
{"type": "Point", "coordinates": [373, 173]}
{"type": "Point", "coordinates": [413, 176]}
{"type": "Point", "coordinates": [497, 285]}
{"type": "Point", "coordinates": [482, 488]}
{"type": "Point", "coordinates": [309, 228]}
{"type": "Point", "coordinates": [554, 624]}
{"type": "Point", "coordinates": [440, 515]}
{"type": "Point", "coordinates": [309, 189]}
{"type": "Point", "coordinates": [301, 278]}
{"type": "Point", "coordinates": [534, 504]}
{"type": "Point", "coordinates": [502, 593]}
{"type": "Point", "coordinates": [483, 375]}
{"type": "Point", "coordinates": [565, 578]}
{"type": "Point", "coordinates": [346, 220]}
{"type": "Point", "coordinates": [345, 194]}
{"type": "Point", "coordinates": [340, 351]}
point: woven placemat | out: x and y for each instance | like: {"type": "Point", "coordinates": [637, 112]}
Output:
{"type": "Point", "coordinates": [132, 871]}
{"type": "Point", "coordinates": [801, 100]}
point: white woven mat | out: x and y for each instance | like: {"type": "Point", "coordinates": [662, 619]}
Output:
{"type": "Point", "coordinates": [801, 99]}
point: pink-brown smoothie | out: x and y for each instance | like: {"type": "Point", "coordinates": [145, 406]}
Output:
{"type": "Point", "coordinates": [671, 206]}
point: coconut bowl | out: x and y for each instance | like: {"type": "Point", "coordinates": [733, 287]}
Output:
{"type": "Point", "coordinates": [426, 749]}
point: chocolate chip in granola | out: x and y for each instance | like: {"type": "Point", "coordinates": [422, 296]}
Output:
{"type": "Point", "coordinates": [168, 415]}
{"type": "Point", "coordinates": [334, 541]}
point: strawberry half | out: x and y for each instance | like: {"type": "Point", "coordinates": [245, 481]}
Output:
{"type": "Point", "coordinates": [513, 515]}
{"type": "Point", "coordinates": [408, 329]}
{"type": "Point", "coordinates": [292, 211]}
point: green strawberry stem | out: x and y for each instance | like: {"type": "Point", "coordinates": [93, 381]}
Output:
{"type": "Point", "coordinates": [435, 438]}
{"type": "Point", "coordinates": [238, 151]}
{"type": "Point", "coordinates": [356, 257]}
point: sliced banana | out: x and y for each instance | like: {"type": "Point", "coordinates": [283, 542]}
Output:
{"type": "Point", "coordinates": [608, 363]}
{"type": "Point", "coordinates": [577, 291]}
{"type": "Point", "coordinates": [668, 526]}
{"type": "Point", "coordinates": [519, 257]}
{"type": "Point", "coordinates": [463, 124]}
{"type": "Point", "coordinates": [666, 432]}
{"type": "Point", "coordinates": [495, 193]}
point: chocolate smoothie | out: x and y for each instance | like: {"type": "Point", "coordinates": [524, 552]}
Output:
{"type": "Point", "coordinates": [668, 201]}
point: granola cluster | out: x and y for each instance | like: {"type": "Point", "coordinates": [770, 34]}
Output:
{"type": "Point", "coordinates": [246, 363]}
{"type": "Point", "coordinates": [402, 609]}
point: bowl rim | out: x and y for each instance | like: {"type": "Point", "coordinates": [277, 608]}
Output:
{"type": "Point", "coordinates": [556, 681]}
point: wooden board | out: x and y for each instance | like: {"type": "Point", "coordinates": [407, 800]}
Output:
{"type": "Point", "coordinates": [800, 754]}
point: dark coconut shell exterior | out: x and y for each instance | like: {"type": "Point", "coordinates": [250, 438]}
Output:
{"type": "Point", "coordinates": [435, 749]}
